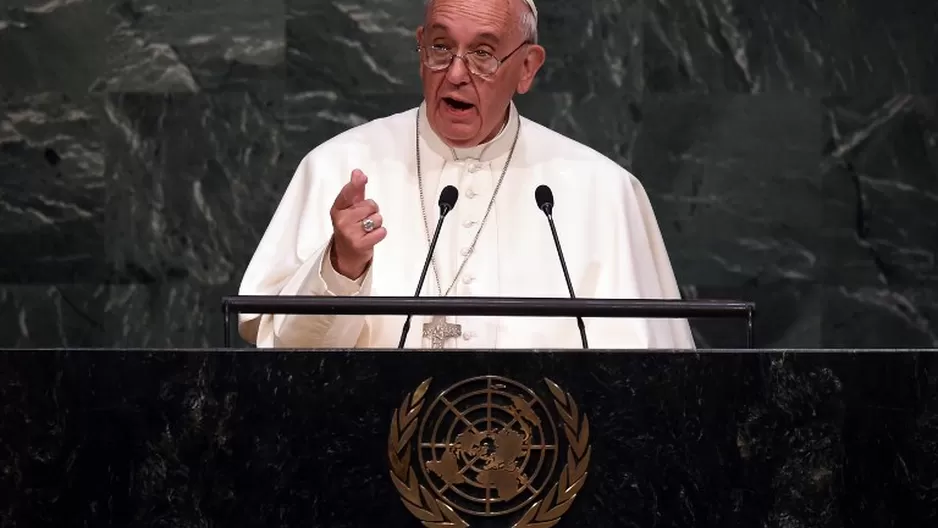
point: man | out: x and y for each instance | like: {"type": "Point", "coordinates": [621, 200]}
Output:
{"type": "Point", "coordinates": [357, 217]}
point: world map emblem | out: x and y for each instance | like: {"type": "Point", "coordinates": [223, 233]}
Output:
{"type": "Point", "coordinates": [489, 447]}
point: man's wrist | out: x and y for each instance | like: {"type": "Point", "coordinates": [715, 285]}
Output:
{"type": "Point", "coordinates": [351, 273]}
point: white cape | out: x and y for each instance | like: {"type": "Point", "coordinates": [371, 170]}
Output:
{"type": "Point", "coordinates": [611, 240]}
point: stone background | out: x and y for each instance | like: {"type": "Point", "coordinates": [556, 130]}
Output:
{"type": "Point", "coordinates": [790, 149]}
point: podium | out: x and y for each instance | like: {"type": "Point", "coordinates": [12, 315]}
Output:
{"type": "Point", "coordinates": [479, 438]}
{"type": "Point", "coordinates": [317, 438]}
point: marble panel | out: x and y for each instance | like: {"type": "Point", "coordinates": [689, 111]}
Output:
{"type": "Point", "coordinates": [77, 46]}
{"type": "Point", "coordinates": [878, 49]}
{"type": "Point", "coordinates": [734, 46]}
{"type": "Point", "coordinates": [168, 313]}
{"type": "Point", "coordinates": [53, 191]}
{"type": "Point", "coordinates": [870, 316]}
{"type": "Point", "coordinates": [196, 177]}
{"type": "Point", "coordinates": [881, 185]}
{"type": "Point", "coordinates": [734, 182]}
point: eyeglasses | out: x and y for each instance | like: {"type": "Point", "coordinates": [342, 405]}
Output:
{"type": "Point", "coordinates": [480, 62]}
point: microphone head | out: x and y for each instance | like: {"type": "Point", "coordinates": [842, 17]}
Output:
{"type": "Point", "coordinates": [545, 198]}
{"type": "Point", "coordinates": [448, 197]}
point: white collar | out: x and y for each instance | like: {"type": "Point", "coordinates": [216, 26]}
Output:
{"type": "Point", "coordinates": [488, 151]}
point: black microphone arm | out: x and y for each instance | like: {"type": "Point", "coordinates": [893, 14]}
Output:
{"type": "Point", "coordinates": [448, 197]}
{"type": "Point", "coordinates": [545, 202]}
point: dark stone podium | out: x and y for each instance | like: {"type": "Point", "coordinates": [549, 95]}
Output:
{"type": "Point", "coordinates": [249, 438]}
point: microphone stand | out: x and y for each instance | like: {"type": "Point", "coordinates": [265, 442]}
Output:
{"type": "Point", "coordinates": [445, 208]}
{"type": "Point", "coordinates": [545, 199]}
{"type": "Point", "coordinates": [566, 276]}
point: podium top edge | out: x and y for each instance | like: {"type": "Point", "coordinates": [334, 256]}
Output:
{"type": "Point", "coordinates": [487, 306]}
{"type": "Point", "coordinates": [565, 351]}
{"type": "Point", "coordinates": [318, 299]}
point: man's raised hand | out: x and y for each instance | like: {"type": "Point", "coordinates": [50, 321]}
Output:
{"type": "Point", "coordinates": [357, 227]}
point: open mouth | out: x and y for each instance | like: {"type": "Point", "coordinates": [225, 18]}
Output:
{"type": "Point", "coordinates": [456, 104]}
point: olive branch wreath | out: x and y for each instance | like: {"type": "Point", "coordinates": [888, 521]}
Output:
{"type": "Point", "coordinates": [434, 513]}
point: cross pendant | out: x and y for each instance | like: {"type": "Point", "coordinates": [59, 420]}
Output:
{"type": "Point", "coordinates": [438, 330]}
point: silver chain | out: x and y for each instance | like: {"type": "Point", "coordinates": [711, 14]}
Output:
{"type": "Point", "coordinates": [423, 206]}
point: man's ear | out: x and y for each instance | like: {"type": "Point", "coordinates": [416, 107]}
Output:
{"type": "Point", "coordinates": [533, 60]}
{"type": "Point", "coordinates": [419, 35]}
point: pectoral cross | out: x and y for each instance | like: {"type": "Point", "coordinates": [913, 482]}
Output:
{"type": "Point", "coordinates": [438, 330]}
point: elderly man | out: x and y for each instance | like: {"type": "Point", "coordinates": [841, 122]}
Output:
{"type": "Point", "coordinates": [358, 215]}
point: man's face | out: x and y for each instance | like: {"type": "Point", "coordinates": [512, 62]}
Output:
{"type": "Point", "coordinates": [466, 109]}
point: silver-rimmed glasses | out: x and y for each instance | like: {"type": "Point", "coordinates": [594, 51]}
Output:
{"type": "Point", "coordinates": [480, 62]}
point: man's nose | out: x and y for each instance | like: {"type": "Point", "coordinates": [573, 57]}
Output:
{"type": "Point", "coordinates": [458, 72]}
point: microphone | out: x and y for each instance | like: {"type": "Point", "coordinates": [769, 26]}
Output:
{"type": "Point", "coordinates": [448, 197]}
{"type": "Point", "coordinates": [545, 202]}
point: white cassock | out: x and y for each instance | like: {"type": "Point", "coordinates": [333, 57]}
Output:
{"type": "Point", "coordinates": [610, 238]}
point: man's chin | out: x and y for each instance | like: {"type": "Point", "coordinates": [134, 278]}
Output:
{"type": "Point", "coordinates": [458, 132]}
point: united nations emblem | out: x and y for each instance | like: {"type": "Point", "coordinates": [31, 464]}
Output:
{"type": "Point", "coordinates": [488, 447]}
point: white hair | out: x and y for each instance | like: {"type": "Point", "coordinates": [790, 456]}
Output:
{"type": "Point", "coordinates": [527, 22]}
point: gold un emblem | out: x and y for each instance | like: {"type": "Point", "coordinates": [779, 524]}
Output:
{"type": "Point", "coordinates": [487, 447]}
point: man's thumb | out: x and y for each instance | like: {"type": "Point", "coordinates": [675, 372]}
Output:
{"type": "Point", "coordinates": [358, 185]}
